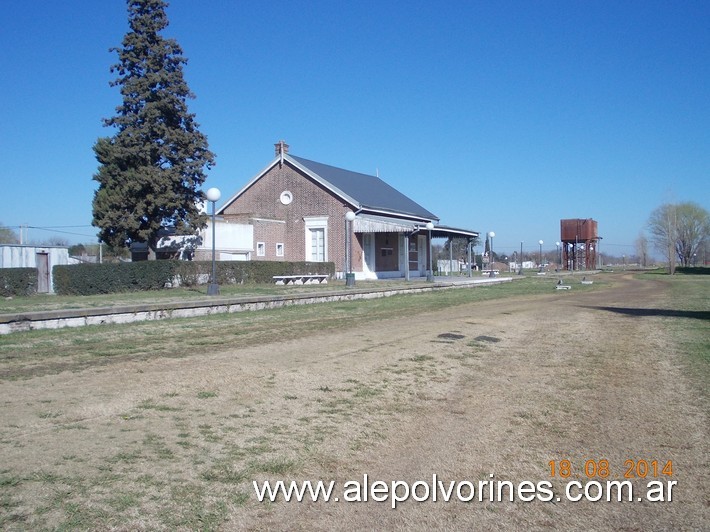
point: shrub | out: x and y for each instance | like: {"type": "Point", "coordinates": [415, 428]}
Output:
{"type": "Point", "coordinates": [192, 273]}
{"type": "Point", "coordinates": [18, 281]}
{"type": "Point", "coordinates": [693, 270]}
{"type": "Point", "coordinates": [86, 279]}
{"type": "Point", "coordinates": [243, 272]}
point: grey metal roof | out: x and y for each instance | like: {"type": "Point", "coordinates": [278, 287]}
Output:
{"type": "Point", "coordinates": [369, 192]}
{"type": "Point", "coordinates": [444, 231]}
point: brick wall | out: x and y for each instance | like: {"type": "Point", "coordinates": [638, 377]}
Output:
{"type": "Point", "coordinates": [275, 222]}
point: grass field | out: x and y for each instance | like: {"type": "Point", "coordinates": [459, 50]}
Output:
{"type": "Point", "coordinates": [40, 302]}
{"type": "Point", "coordinates": [164, 425]}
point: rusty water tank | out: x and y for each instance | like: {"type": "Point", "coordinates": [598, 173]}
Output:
{"type": "Point", "coordinates": [578, 229]}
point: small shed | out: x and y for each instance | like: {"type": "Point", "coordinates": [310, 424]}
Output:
{"type": "Point", "coordinates": [44, 258]}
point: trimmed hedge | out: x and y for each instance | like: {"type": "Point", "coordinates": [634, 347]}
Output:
{"type": "Point", "coordinates": [86, 279]}
{"type": "Point", "coordinates": [190, 273]}
{"type": "Point", "coordinates": [18, 281]}
{"type": "Point", "coordinates": [693, 270]}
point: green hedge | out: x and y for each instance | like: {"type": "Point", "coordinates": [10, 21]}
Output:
{"type": "Point", "coordinates": [693, 270]}
{"type": "Point", "coordinates": [18, 281]}
{"type": "Point", "coordinates": [85, 279]}
{"type": "Point", "coordinates": [190, 273]}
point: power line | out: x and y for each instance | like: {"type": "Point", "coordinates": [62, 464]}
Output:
{"type": "Point", "coordinates": [62, 226]}
{"type": "Point", "coordinates": [52, 230]}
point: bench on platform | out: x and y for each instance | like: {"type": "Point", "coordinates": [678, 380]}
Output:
{"type": "Point", "coordinates": [563, 287]}
{"type": "Point", "coordinates": [301, 279]}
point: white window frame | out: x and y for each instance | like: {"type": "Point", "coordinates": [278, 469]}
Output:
{"type": "Point", "coordinates": [261, 249]}
{"type": "Point", "coordinates": [279, 249]}
{"type": "Point", "coordinates": [311, 223]}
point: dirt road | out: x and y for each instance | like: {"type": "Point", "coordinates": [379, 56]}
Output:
{"type": "Point", "coordinates": [493, 391]}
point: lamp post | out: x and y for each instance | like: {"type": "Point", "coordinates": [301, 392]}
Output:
{"type": "Point", "coordinates": [520, 271]}
{"type": "Point", "coordinates": [539, 260]}
{"type": "Point", "coordinates": [213, 195]}
{"type": "Point", "coordinates": [430, 272]}
{"type": "Point", "coordinates": [349, 277]}
{"type": "Point", "coordinates": [559, 257]}
{"type": "Point", "coordinates": [490, 262]}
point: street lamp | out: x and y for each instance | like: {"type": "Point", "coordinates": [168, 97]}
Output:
{"type": "Point", "coordinates": [520, 271]}
{"type": "Point", "coordinates": [559, 257]}
{"type": "Point", "coordinates": [213, 195]}
{"type": "Point", "coordinates": [430, 272]}
{"type": "Point", "coordinates": [490, 261]}
{"type": "Point", "coordinates": [349, 277]}
{"type": "Point", "coordinates": [540, 256]}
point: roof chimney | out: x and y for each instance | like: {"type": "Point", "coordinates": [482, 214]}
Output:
{"type": "Point", "coordinates": [281, 148]}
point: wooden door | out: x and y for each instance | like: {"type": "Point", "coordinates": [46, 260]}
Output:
{"type": "Point", "coordinates": [42, 260]}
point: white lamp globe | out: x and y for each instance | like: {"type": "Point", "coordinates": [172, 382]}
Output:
{"type": "Point", "coordinates": [213, 194]}
{"type": "Point", "coordinates": [350, 216]}
{"type": "Point", "coordinates": [429, 226]}
{"type": "Point", "coordinates": [491, 234]}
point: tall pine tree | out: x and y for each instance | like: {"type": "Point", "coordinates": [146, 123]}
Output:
{"type": "Point", "coordinates": [151, 171]}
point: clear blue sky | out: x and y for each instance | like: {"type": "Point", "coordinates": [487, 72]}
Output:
{"type": "Point", "coordinates": [503, 116]}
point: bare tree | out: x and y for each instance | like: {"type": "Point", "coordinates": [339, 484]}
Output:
{"type": "Point", "coordinates": [8, 235]}
{"type": "Point", "coordinates": [693, 228]}
{"type": "Point", "coordinates": [56, 241]}
{"type": "Point", "coordinates": [678, 231]}
{"type": "Point", "coordinates": [642, 249]}
{"type": "Point", "coordinates": [663, 227]}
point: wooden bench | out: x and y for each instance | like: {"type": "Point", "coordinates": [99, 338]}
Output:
{"type": "Point", "coordinates": [301, 279]}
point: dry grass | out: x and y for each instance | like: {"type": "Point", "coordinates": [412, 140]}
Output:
{"type": "Point", "coordinates": [151, 439]}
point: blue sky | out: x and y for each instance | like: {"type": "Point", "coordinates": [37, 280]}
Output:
{"type": "Point", "coordinates": [503, 116]}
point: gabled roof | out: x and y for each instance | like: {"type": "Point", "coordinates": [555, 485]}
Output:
{"type": "Point", "coordinates": [364, 192]}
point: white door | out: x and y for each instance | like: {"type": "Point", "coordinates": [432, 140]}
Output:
{"type": "Point", "coordinates": [318, 245]}
{"type": "Point", "coordinates": [421, 246]}
{"type": "Point", "coordinates": [368, 248]}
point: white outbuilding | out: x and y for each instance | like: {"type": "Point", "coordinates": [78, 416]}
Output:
{"type": "Point", "coordinates": [44, 258]}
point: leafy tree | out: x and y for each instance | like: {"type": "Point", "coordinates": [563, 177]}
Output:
{"type": "Point", "coordinates": [679, 230]}
{"type": "Point", "coordinates": [151, 171]}
{"type": "Point", "coordinates": [77, 250]}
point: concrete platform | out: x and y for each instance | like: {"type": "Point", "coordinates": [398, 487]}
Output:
{"type": "Point", "coordinates": [55, 319]}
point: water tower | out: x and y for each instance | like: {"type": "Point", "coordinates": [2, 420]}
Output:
{"type": "Point", "coordinates": [580, 241]}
